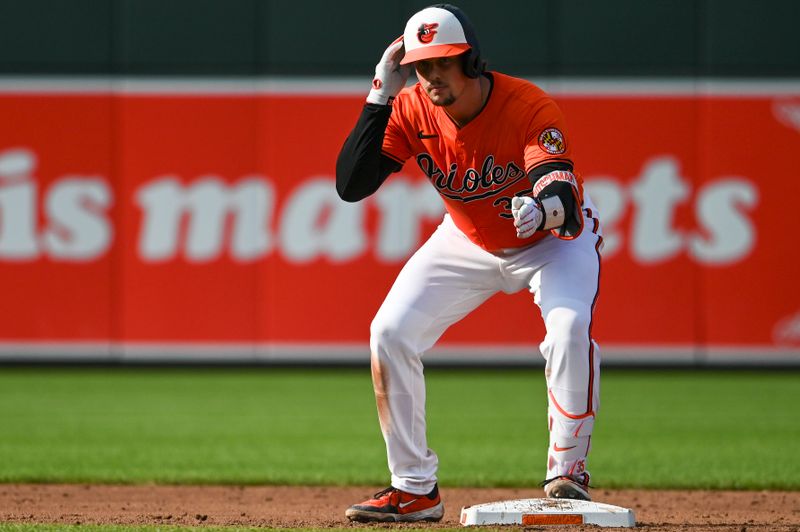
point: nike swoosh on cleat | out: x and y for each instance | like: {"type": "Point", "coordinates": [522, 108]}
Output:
{"type": "Point", "coordinates": [404, 504]}
{"type": "Point", "coordinates": [559, 449]}
{"type": "Point", "coordinates": [422, 135]}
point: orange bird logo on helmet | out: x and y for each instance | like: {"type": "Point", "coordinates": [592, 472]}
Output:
{"type": "Point", "coordinates": [426, 32]}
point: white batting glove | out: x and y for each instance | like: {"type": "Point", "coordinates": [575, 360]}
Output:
{"type": "Point", "coordinates": [390, 76]}
{"type": "Point", "coordinates": [528, 216]}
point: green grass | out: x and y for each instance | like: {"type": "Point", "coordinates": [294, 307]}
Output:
{"type": "Point", "coordinates": [658, 429]}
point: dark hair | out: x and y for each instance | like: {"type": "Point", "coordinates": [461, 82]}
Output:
{"type": "Point", "coordinates": [473, 65]}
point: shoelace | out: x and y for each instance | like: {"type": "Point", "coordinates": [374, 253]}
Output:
{"type": "Point", "coordinates": [549, 480]}
{"type": "Point", "coordinates": [384, 492]}
{"type": "Point", "coordinates": [391, 489]}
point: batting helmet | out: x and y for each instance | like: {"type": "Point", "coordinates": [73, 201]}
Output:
{"type": "Point", "coordinates": [442, 30]}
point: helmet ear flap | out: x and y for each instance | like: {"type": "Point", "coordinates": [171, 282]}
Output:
{"type": "Point", "coordinates": [472, 63]}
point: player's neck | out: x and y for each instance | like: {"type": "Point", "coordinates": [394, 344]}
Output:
{"type": "Point", "coordinates": [471, 102]}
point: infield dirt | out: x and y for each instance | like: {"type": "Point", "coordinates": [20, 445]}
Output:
{"type": "Point", "coordinates": [323, 507]}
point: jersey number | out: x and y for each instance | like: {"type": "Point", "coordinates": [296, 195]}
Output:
{"type": "Point", "coordinates": [505, 202]}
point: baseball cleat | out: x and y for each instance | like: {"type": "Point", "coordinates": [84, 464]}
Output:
{"type": "Point", "coordinates": [393, 504]}
{"type": "Point", "coordinates": [567, 488]}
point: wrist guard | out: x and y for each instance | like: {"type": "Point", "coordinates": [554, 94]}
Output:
{"type": "Point", "coordinates": [554, 213]}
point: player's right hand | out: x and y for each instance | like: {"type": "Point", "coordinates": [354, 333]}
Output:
{"type": "Point", "coordinates": [528, 216]}
{"type": "Point", "coordinates": [390, 76]}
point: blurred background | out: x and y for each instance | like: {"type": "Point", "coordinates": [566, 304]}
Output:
{"type": "Point", "coordinates": [273, 37]}
{"type": "Point", "coordinates": [158, 161]}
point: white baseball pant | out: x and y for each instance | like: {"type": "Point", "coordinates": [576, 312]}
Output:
{"type": "Point", "coordinates": [445, 280]}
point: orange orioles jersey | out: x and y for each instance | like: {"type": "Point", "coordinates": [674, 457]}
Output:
{"type": "Point", "coordinates": [478, 168]}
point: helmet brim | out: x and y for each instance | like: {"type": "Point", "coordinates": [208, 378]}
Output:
{"type": "Point", "coordinates": [437, 50]}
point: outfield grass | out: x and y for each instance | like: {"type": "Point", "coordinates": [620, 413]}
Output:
{"type": "Point", "coordinates": [659, 429]}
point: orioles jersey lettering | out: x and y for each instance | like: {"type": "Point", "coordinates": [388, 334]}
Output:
{"type": "Point", "coordinates": [459, 186]}
{"type": "Point", "coordinates": [478, 168]}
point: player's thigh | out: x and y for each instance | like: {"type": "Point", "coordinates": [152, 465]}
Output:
{"type": "Point", "coordinates": [442, 282]}
{"type": "Point", "coordinates": [570, 275]}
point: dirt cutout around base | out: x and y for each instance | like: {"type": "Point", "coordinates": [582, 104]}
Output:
{"type": "Point", "coordinates": [323, 507]}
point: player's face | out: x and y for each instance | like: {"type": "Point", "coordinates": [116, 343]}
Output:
{"type": "Point", "coordinates": [442, 79]}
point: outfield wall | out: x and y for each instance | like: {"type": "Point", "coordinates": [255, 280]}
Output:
{"type": "Point", "coordinates": [168, 220]}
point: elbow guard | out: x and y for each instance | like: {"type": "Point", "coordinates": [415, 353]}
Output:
{"type": "Point", "coordinates": [561, 202]}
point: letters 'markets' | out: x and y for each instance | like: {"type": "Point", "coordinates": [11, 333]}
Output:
{"type": "Point", "coordinates": [68, 218]}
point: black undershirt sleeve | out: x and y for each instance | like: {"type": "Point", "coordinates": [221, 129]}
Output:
{"type": "Point", "coordinates": [361, 168]}
{"type": "Point", "coordinates": [546, 168]}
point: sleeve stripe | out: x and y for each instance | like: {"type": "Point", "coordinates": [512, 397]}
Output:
{"type": "Point", "coordinates": [549, 161]}
{"type": "Point", "coordinates": [393, 157]}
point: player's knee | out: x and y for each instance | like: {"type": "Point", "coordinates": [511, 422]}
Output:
{"type": "Point", "coordinates": [386, 336]}
{"type": "Point", "coordinates": [568, 326]}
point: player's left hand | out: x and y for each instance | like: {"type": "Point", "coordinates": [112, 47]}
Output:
{"type": "Point", "coordinates": [528, 216]}
{"type": "Point", "coordinates": [390, 75]}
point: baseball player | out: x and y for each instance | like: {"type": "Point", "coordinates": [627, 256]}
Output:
{"type": "Point", "coordinates": [497, 150]}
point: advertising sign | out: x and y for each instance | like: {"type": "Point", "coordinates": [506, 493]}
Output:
{"type": "Point", "coordinates": [210, 220]}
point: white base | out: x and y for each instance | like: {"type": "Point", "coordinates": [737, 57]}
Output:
{"type": "Point", "coordinates": [535, 512]}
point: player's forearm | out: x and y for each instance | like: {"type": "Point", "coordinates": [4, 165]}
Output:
{"type": "Point", "coordinates": [553, 204]}
{"type": "Point", "coordinates": [360, 167]}
{"type": "Point", "coordinates": [558, 197]}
